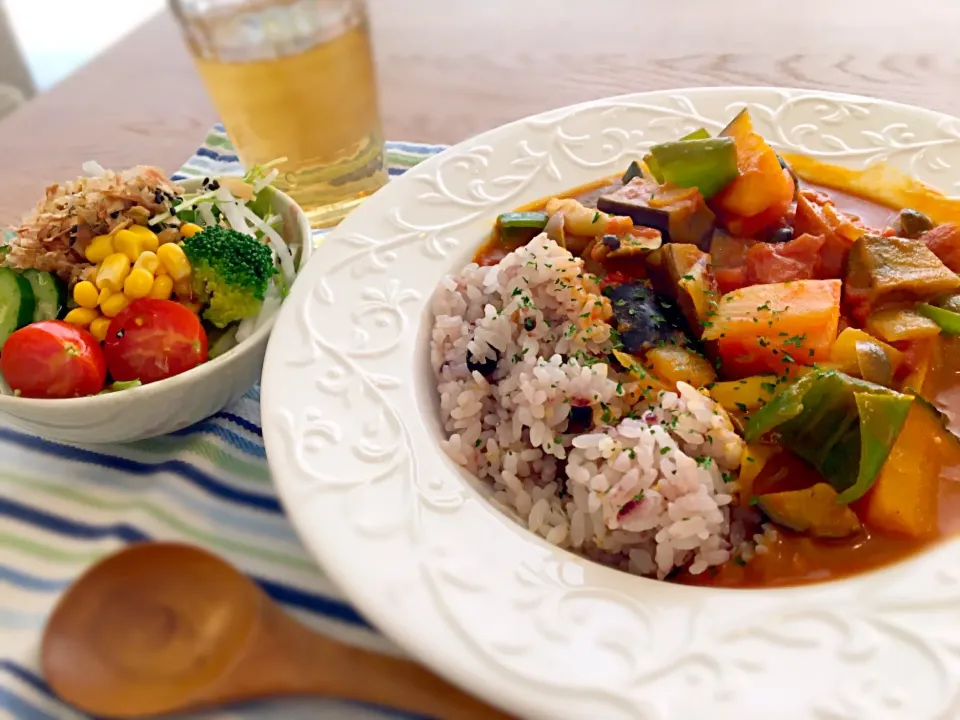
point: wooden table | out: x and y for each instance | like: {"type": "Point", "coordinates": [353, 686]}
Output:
{"type": "Point", "coordinates": [452, 68]}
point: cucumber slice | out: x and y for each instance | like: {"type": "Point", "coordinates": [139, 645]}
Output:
{"type": "Point", "coordinates": [16, 303]}
{"type": "Point", "coordinates": [50, 294]}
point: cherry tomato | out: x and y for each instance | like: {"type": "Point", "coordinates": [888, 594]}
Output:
{"type": "Point", "coordinates": [154, 339]}
{"type": "Point", "coordinates": [53, 359]}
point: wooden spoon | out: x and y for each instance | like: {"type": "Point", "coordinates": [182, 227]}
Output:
{"type": "Point", "coordinates": [163, 628]}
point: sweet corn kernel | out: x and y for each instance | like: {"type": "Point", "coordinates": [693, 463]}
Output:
{"type": "Point", "coordinates": [104, 294]}
{"type": "Point", "coordinates": [113, 271]}
{"type": "Point", "coordinates": [148, 237]}
{"type": "Point", "coordinates": [190, 229]}
{"type": "Point", "coordinates": [114, 305]}
{"type": "Point", "coordinates": [148, 261]}
{"type": "Point", "coordinates": [174, 260]}
{"type": "Point", "coordinates": [128, 243]}
{"type": "Point", "coordinates": [85, 294]}
{"type": "Point", "coordinates": [99, 328]}
{"type": "Point", "coordinates": [138, 284]}
{"type": "Point", "coordinates": [162, 287]}
{"type": "Point", "coordinates": [99, 249]}
{"type": "Point", "coordinates": [81, 316]}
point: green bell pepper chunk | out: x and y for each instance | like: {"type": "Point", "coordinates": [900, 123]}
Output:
{"type": "Point", "coordinates": [519, 228]}
{"type": "Point", "coordinates": [699, 134]}
{"type": "Point", "coordinates": [881, 419]}
{"type": "Point", "coordinates": [948, 320]}
{"type": "Point", "coordinates": [708, 165]}
{"type": "Point", "coordinates": [654, 167]}
{"type": "Point", "coordinates": [841, 425]}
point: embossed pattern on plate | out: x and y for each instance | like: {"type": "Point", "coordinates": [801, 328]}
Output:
{"type": "Point", "coordinates": [351, 434]}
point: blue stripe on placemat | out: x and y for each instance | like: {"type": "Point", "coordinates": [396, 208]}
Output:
{"type": "Point", "coordinates": [21, 579]}
{"type": "Point", "coordinates": [208, 480]}
{"type": "Point", "coordinates": [20, 708]}
{"type": "Point", "coordinates": [178, 467]}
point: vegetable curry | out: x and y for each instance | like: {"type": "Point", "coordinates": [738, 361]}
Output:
{"type": "Point", "coordinates": [818, 305]}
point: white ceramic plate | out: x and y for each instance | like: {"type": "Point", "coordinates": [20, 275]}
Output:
{"type": "Point", "coordinates": [351, 429]}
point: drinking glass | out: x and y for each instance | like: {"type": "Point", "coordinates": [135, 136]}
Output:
{"type": "Point", "coordinates": [294, 80]}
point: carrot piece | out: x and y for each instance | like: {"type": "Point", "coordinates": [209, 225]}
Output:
{"type": "Point", "coordinates": [768, 328]}
{"type": "Point", "coordinates": [904, 497]}
{"type": "Point", "coordinates": [762, 183]}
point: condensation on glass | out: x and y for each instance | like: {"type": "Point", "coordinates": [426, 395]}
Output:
{"type": "Point", "coordinates": [294, 79]}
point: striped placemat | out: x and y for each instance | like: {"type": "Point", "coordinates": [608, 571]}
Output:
{"type": "Point", "coordinates": [63, 507]}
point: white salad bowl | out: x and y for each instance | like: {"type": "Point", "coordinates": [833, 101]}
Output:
{"type": "Point", "coordinates": [168, 405]}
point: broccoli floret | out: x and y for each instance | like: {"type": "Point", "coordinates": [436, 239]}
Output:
{"type": "Point", "coordinates": [230, 272]}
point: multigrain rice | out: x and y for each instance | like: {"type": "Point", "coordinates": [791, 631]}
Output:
{"type": "Point", "coordinates": [519, 350]}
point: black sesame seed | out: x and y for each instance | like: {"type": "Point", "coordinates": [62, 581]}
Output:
{"type": "Point", "coordinates": [529, 324]}
{"type": "Point", "coordinates": [115, 214]}
{"type": "Point", "coordinates": [214, 185]}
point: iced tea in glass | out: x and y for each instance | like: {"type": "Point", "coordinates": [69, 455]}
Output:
{"type": "Point", "coordinates": [294, 79]}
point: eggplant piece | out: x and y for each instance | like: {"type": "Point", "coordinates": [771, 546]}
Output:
{"type": "Point", "coordinates": [883, 270]}
{"type": "Point", "coordinates": [814, 511]}
{"type": "Point", "coordinates": [682, 272]}
{"type": "Point", "coordinates": [642, 319]}
{"type": "Point", "coordinates": [680, 214]}
{"type": "Point", "coordinates": [633, 171]}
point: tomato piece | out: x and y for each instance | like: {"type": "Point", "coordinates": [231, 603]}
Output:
{"type": "Point", "coordinates": [152, 340]}
{"type": "Point", "coordinates": [53, 359]}
{"type": "Point", "coordinates": [730, 279]}
{"type": "Point", "coordinates": [817, 215]}
{"type": "Point", "coordinates": [944, 242]}
{"type": "Point", "coordinates": [613, 278]}
{"type": "Point", "coordinates": [797, 259]}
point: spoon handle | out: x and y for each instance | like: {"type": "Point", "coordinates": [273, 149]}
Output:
{"type": "Point", "coordinates": [286, 658]}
